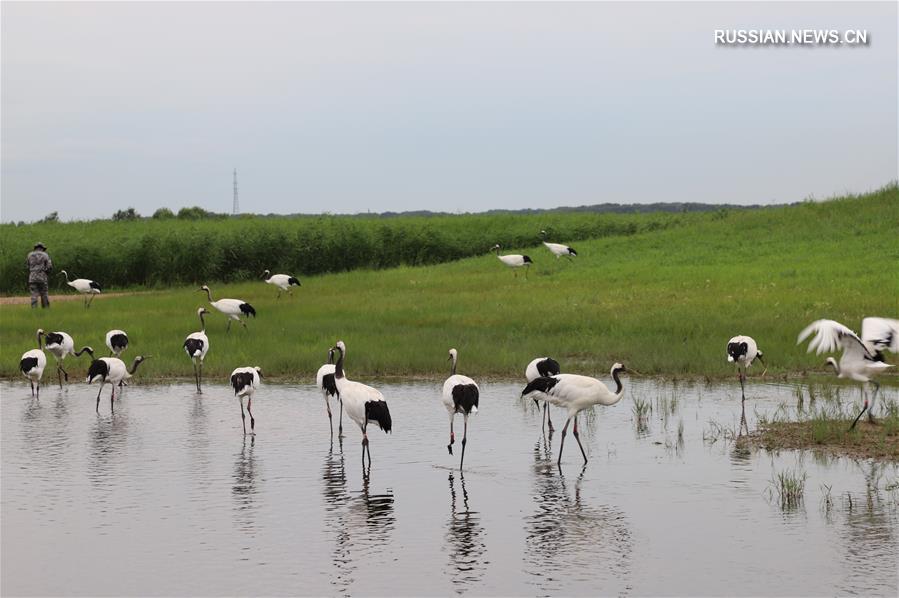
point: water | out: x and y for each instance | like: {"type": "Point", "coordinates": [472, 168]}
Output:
{"type": "Point", "coordinates": [168, 497]}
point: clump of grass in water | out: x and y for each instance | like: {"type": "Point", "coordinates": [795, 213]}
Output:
{"type": "Point", "coordinates": [642, 410]}
{"type": "Point", "coordinates": [826, 498]}
{"type": "Point", "coordinates": [789, 487]}
{"type": "Point", "coordinates": [718, 432]}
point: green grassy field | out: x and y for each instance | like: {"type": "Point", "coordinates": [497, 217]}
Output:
{"type": "Point", "coordinates": [662, 302]}
{"type": "Point", "coordinates": [162, 253]}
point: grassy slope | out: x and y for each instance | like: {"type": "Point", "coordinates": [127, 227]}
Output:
{"type": "Point", "coordinates": [663, 303]}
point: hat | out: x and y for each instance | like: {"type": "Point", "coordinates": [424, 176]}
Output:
{"type": "Point", "coordinates": [39, 244]}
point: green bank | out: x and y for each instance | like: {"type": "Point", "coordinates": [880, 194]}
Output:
{"type": "Point", "coordinates": [662, 301]}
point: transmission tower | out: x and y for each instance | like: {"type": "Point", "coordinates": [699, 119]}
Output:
{"type": "Point", "coordinates": [236, 209]}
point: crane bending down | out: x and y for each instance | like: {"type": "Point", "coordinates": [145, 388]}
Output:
{"type": "Point", "coordinates": [282, 281]}
{"type": "Point", "coordinates": [61, 345]}
{"type": "Point", "coordinates": [196, 345]}
{"type": "Point", "coordinates": [743, 350]}
{"type": "Point", "coordinates": [862, 358]}
{"type": "Point", "coordinates": [85, 286]}
{"type": "Point", "coordinates": [324, 381]}
{"type": "Point", "coordinates": [543, 366]}
{"type": "Point", "coordinates": [32, 365]}
{"type": "Point", "coordinates": [113, 371]}
{"type": "Point", "coordinates": [575, 393]}
{"type": "Point", "coordinates": [460, 395]}
{"type": "Point", "coordinates": [558, 249]}
{"type": "Point", "coordinates": [233, 308]}
{"type": "Point", "coordinates": [514, 260]}
{"type": "Point", "coordinates": [363, 403]}
{"type": "Point", "coordinates": [245, 381]}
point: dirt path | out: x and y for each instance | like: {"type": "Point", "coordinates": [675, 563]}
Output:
{"type": "Point", "coordinates": [54, 298]}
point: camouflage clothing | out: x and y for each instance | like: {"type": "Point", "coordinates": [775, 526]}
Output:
{"type": "Point", "coordinates": [39, 265]}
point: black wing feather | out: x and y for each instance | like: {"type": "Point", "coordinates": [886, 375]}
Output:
{"type": "Point", "coordinates": [329, 384]}
{"type": "Point", "coordinates": [241, 380]}
{"type": "Point", "coordinates": [541, 384]}
{"type": "Point", "coordinates": [548, 367]}
{"type": "Point", "coordinates": [28, 364]}
{"type": "Point", "coordinates": [247, 309]}
{"type": "Point", "coordinates": [95, 285]}
{"type": "Point", "coordinates": [377, 411]}
{"type": "Point", "coordinates": [465, 397]}
{"type": "Point", "coordinates": [98, 367]}
{"type": "Point", "coordinates": [193, 346]}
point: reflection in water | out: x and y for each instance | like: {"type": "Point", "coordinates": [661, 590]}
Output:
{"type": "Point", "coordinates": [244, 489]}
{"type": "Point", "coordinates": [108, 441]}
{"type": "Point", "coordinates": [568, 541]}
{"type": "Point", "coordinates": [363, 522]}
{"type": "Point", "coordinates": [336, 497]}
{"type": "Point", "coordinates": [464, 540]}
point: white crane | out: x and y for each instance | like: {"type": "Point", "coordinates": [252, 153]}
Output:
{"type": "Point", "coordinates": [117, 342]}
{"type": "Point", "coordinates": [363, 403]}
{"type": "Point", "coordinates": [862, 357]}
{"type": "Point", "coordinates": [86, 287]}
{"type": "Point", "coordinates": [460, 395]}
{"type": "Point", "coordinates": [245, 381]}
{"type": "Point", "coordinates": [111, 370]}
{"type": "Point", "coordinates": [743, 350]}
{"type": "Point", "coordinates": [575, 393]}
{"type": "Point", "coordinates": [61, 345]}
{"type": "Point", "coordinates": [196, 345]}
{"type": "Point", "coordinates": [282, 281]}
{"type": "Point", "coordinates": [543, 366]}
{"type": "Point", "coordinates": [233, 308]}
{"type": "Point", "coordinates": [32, 365]}
{"type": "Point", "coordinates": [324, 381]}
{"type": "Point", "coordinates": [514, 260]}
{"type": "Point", "coordinates": [558, 249]}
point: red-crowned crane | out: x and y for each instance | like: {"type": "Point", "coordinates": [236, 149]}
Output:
{"type": "Point", "coordinates": [324, 381]}
{"type": "Point", "coordinates": [558, 249]}
{"type": "Point", "coordinates": [111, 370]}
{"type": "Point", "coordinates": [233, 308]}
{"type": "Point", "coordinates": [514, 260]}
{"type": "Point", "coordinates": [282, 281]}
{"type": "Point", "coordinates": [32, 365]}
{"type": "Point", "coordinates": [460, 395]}
{"type": "Point", "coordinates": [117, 341]}
{"type": "Point", "coordinates": [86, 287]}
{"type": "Point", "coordinates": [862, 358]}
{"type": "Point", "coordinates": [543, 366]}
{"type": "Point", "coordinates": [196, 345]}
{"type": "Point", "coordinates": [245, 381]}
{"type": "Point", "coordinates": [61, 345]}
{"type": "Point", "coordinates": [575, 393]}
{"type": "Point", "coordinates": [363, 403]}
{"type": "Point", "coordinates": [743, 350]}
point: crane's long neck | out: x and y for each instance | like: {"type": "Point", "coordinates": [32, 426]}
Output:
{"type": "Point", "coordinates": [134, 365]}
{"type": "Point", "coordinates": [66, 274]}
{"type": "Point", "coordinates": [202, 323]}
{"type": "Point", "coordinates": [39, 339]}
{"type": "Point", "coordinates": [619, 387]}
{"type": "Point", "coordinates": [87, 350]}
{"type": "Point", "coordinates": [209, 295]}
{"type": "Point", "coordinates": [454, 366]}
{"type": "Point", "coordinates": [338, 367]}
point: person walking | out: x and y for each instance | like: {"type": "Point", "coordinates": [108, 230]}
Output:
{"type": "Point", "coordinates": [39, 265]}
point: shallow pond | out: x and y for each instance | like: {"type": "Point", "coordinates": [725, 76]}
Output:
{"type": "Point", "coordinates": [167, 496]}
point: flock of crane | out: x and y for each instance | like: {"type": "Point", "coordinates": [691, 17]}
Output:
{"type": "Point", "coordinates": [861, 360]}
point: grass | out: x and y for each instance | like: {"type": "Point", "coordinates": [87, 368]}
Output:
{"type": "Point", "coordinates": [663, 302]}
{"type": "Point", "coordinates": [827, 429]}
{"type": "Point", "coordinates": [788, 487]}
{"type": "Point", "coordinates": [162, 253]}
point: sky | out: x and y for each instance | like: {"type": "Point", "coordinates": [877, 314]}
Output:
{"type": "Point", "coordinates": [354, 107]}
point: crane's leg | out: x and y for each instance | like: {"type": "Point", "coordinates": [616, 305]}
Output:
{"type": "Point", "coordinates": [340, 423]}
{"type": "Point", "coordinates": [526, 268]}
{"type": "Point", "coordinates": [98, 396]}
{"type": "Point", "coordinates": [864, 408]}
{"type": "Point", "coordinates": [243, 416]}
{"type": "Point", "coordinates": [112, 399]}
{"type": "Point", "coordinates": [328, 408]}
{"type": "Point", "coordinates": [452, 441]}
{"type": "Point", "coordinates": [200, 377]}
{"type": "Point", "coordinates": [90, 299]}
{"type": "Point", "coordinates": [252, 419]}
{"type": "Point", "coordinates": [743, 383]}
{"type": "Point", "coordinates": [32, 386]}
{"type": "Point", "coordinates": [38, 389]}
{"type": "Point", "coordinates": [243, 323]}
{"type": "Point", "coordinates": [279, 295]}
{"type": "Point", "coordinates": [578, 438]}
{"type": "Point", "coordinates": [59, 374]}
{"type": "Point", "coordinates": [873, 398]}
{"type": "Point", "coordinates": [549, 418]}
{"type": "Point", "coordinates": [364, 448]}
{"type": "Point", "coordinates": [562, 445]}
{"type": "Point", "coordinates": [464, 441]}
{"type": "Point", "coordinates": [228, 329]}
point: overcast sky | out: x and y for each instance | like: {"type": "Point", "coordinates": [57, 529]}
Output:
{"type": "Point", "coordinates": [345, 107]}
